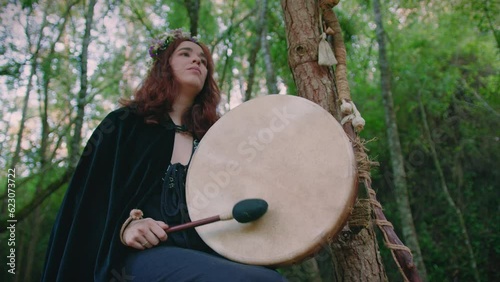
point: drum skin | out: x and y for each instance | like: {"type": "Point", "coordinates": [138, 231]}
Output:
{"type": "Point", "coordinates": [288, 151]}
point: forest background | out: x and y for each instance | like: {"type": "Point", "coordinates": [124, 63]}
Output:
{"type": "Point", "coordinates": [65, 64]}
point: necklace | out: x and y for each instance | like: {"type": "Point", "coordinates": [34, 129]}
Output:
{"type": "Point", "coordinates": [169, 124]}
{"type": "Point", "coordinates": [180, 128]}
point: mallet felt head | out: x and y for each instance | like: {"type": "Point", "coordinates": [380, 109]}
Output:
{"type": "Point", "coordinates": [249, 210]}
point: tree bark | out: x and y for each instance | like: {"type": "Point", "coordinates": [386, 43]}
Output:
{"type": "Point", "coordinates": [356, 257]}
{"type": "Point", "coordinates": [397, 161]}
{"type": "Point", "coordinates": [353, 257]}
{"type": "Point", "coordinates": [313, 82]}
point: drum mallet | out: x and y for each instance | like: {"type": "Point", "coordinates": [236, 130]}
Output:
{"type": "Point", "coordinates": [244, 211]}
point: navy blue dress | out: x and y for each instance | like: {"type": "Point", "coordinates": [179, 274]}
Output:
{"type": "Point", "coordinates": [184, 256]}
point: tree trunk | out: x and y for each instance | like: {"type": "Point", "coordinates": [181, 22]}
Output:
{"type": "Point", "coordinates": [356, 257]}
{"type": "Point", "coordinates": [270, 74]}
{"type": "Point", "coordinates": [397, 162]}
{"type": "Point", "coordinates": [36, 217]}
{"type": "Point", "coordinates": [82, 94]}
{"type": "Point", "coordinates": [193, 9]}
{"type": "Point", "coordinates": [352, 257]}
{"type": "Point", "coordinates": [227, 56]}
{"type": "Point", "coordinates": [125, 83]}
{"type": "Point", "coordinates": [313, 82]}
{"type": "Point", "coordinates": [252, 60]}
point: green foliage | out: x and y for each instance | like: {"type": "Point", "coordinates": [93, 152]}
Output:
{"type": "Point", "coordinates": [436, 56]}
{"type": "Point", "coordinates": [28, 3]}
{"type": "Point", "coordinates": [177, 15]}
{"type": "Point", "coordinates": [208, 23]}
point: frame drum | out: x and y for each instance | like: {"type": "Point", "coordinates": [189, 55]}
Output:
{"type": "Point", "coordinates": [288, 151]}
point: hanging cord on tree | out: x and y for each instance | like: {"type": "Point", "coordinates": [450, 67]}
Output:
{"type": "Point", "coordinates": [401, 254]}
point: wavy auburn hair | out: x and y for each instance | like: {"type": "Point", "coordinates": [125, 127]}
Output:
{"type": "Point", "coordinates": [154, 97]}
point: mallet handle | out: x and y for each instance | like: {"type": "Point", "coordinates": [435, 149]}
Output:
{"type": "Point", "coordinates": [193, 224]}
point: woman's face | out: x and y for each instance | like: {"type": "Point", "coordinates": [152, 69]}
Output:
{"type": "Point", "coordinates": [189, 65]}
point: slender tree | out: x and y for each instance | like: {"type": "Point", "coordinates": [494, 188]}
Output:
{"type": "Point", "coordinates": [398, 178]}
{"type": "Point", "coordinates": [256, 45]}
{"type": "Point", "coordinates": [82, 94]}
{"type": "Point", "coordinates": [446, 192]}
{"type": "Point", "coordinates": [270, 73]}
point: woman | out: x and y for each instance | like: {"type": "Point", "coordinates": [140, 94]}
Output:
{"type": "Point", "coordinates": [135, 164]}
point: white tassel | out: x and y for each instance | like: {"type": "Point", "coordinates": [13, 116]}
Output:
{"type": "Point", "coordinates": [346, 107]}
{"type": "Point", "coordinates": [358, 121]}
{"type": "Point", "coordinates": [325, 53]}
{"type": "Point", "coordinates": [352, 115]}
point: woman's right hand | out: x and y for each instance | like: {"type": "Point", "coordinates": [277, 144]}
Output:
{"type": "Point", "coordinates": [145, 233]}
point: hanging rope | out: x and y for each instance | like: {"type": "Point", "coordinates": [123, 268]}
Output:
{"type": "Point", "coordinates": [401, 254]}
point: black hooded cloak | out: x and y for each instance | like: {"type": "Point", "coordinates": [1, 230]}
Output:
{"type": "Point", "coordinates": [123, 159]}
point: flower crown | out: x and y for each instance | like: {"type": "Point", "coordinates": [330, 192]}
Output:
{"type": "Point", "coordinates": [161, 42]}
